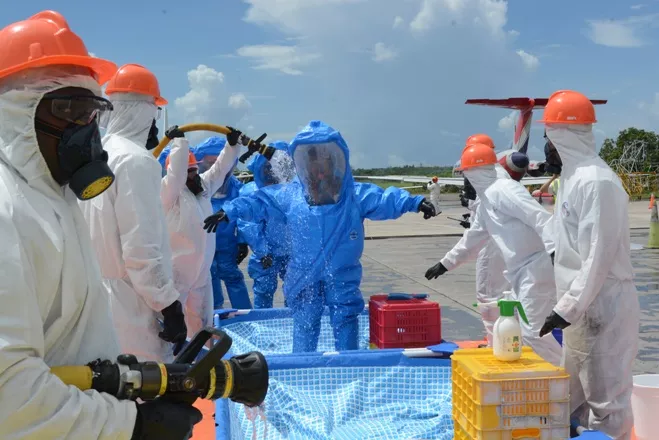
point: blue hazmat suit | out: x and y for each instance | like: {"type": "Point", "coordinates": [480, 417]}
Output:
{"type": "Point", "coordinates": [268, 238]}
{"type": "Point", "coordinates": [224, 267]}
{"type": "Point", "coordinates": [324, 210]}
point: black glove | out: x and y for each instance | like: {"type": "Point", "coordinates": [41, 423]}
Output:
{"type": "Point", "coordinates": [174, 330]}
{"type": "Point", "coordinates": [435, 271]}
{"type": "Point", "coordinates": [465, 224]}
{"type": "Point", "coordinates": [160, 419]}
{"type": "Point", "coordinates": [552, 257]}
{"type": "Point", "coordinates": [174, 132]}
{"type": "Point", "coordinates": [428, 209]}
{"type": "Point", "coordinates": [553, 321]}
{"type": "Point", "coordinates": [464, 201]}
{"type": "Point", "coordinates": [243, 251]}
{"type": "Point", "coordinates": [211, 222]}
{"type": "Point", "coordinates": [233, 137]}
{"type": "Point", "coordinates": [266, 262]}
{"type": "Point", "coordinates": [466, 216]}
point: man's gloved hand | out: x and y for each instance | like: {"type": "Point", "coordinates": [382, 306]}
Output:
{"type": "Point", "coordinates": [174, 330]}
{"type": "Point", "coordinates": [464, 201]}
{"type": "Point", "coordinates": [243, 251]}
{"type": "Point", "coordinates": [552, 255]}
{"type": "Point", "coordinates": [435, 271]}
{"type": "Point", "coordinates": [160, 419]}
{"type": "Point", "coordinates": [428, 209]}
{"type": "Point", "coordinates": [465, 224]}
{"type": "Point", "coordinates": [174, 132]}
{"type": "Point", "coordinates": [266, 262]}
{"type": "Point", "coordinates": [211, 222]}
{"type": "Point", "coordinates": [551, 322]}
{"type": "Point", "coordinates": [234, 136]}
{"type": "Point", "coordinates": [466, 216]}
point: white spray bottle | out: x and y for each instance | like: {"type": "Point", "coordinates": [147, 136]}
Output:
{"type": "Point", "coordinates": [507, 338]}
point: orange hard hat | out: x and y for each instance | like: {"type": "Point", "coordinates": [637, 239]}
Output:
{"type": "Point", "coordinates": [477, 155]}
{"type": "Point", "coordinates": [435, 179]}
{"type": "Point", "coordinates": [45, 39]}
{"type": "Point", "coordinates": [133, 78]}
{"type": "Point", "coordinates": [480, 138]}
{"type": "Point", "coordinates": [192, 161]}
{"type": "Point", "coordinates": [569, 107]}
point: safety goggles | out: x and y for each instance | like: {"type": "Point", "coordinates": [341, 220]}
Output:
{"type": "Point", "coordinates": [80, 110]}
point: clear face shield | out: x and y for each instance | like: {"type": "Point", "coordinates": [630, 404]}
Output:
{"type": "Point", "coordinates": [321, 169]}
{"type": "Point", "coordinates": [279, 169]}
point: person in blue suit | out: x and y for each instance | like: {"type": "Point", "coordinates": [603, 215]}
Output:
{"type": "Point", "coordinates": [325, 210]}
{"type": "Point", "coordinates": [230, 248]}
{"type": "Point", "coordinates": [268, 239]}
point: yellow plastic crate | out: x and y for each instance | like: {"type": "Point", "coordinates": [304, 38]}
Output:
{"type": "Point", "coordinates": [561, 433]}
{"type": "Point", "coordinates": [489, 394]}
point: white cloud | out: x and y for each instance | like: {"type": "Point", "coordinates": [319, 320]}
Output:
{"type": "Point", "coordinates": [637, 7]}
{"type": "Point", "coordinates": [398, 22]}
{"type": "Point", "coordinates": [531, 62]}
{"type": "Point", "coordinates": [206, 96]}
{"type": "Point", "coordinates": [621, 33]}
{"type": "Point", "coordinates": [383, 53]}
{"type": "Point", "coordinates": [286, 59]}
{"type": "Point", "coordinates": [491, 13]}
{"type": "Point", "coordinates": [92, 54]}
{"type": "Point", "coordinates": [513, 33]}
{"type": "Point", "coordinates": [239, 101]}
{"type": "Point", "coordinates": [507, 123]}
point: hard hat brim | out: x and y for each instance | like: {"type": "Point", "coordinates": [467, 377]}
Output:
{"type": "Point", "coordinates": [103, 69]}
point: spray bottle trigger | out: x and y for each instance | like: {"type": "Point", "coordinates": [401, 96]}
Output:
{"type": "Point", "coordinates": [520, 309]}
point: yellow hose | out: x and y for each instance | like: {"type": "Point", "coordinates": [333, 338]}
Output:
{"type": "Point", "coordinates": [191, 127]}
{"type": "Point", "coordinates": [79, 376]}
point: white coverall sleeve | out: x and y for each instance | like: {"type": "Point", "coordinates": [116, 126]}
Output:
{"type": "Point", "coordinates": [35, 403]}
{"type": "Point", "coordinates": [177, 173]}
{"type": "Point", "coordinates": [522, 206]}
{"type": "Point", "coordinates": [136, 208]}
{"type": "Point", "coordinates": [470, 244]}
{"type": "Point", "coordinates": [214, 177]}
{"type": "Point", "coordinates": [599, 226]}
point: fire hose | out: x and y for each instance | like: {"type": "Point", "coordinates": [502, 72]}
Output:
{"type": "Point", "coordinates": [253, 145]}
{"type": "Point", "coordinates": [243, 378]}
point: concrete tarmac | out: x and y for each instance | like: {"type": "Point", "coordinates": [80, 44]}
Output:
{"type": "Point", "coordinates": [400, 251]}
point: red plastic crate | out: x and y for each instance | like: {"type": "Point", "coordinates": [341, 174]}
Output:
{"type": "Point", "coordinates": [409, 323]}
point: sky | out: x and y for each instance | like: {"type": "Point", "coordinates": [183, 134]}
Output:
{"type": "Point", "coordinates": [391, 75]}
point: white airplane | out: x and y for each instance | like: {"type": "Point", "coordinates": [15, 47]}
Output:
{"type": "Point", "coordinates": [535, 172]}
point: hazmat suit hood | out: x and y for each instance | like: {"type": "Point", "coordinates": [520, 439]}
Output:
{"type": "Point", "coordinates": [131, 118]}
{"type": "Point", "coordinates": [20, 95]}
{"type": "Point", "coordinates": [575, 144]}
{"type": "Point", "coordinates": [482, 177]}
{"type": "Point", "coordinates": [279, 169]}
{"type": "Point", "coordinates": [317, 135]}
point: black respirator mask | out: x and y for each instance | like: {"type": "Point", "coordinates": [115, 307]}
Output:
{"type": "Point", "coordinates": [82, 160]}
{"type": "Point", "coordinates": [554, 164]}
{"type": "Point", "coordinates": [194, 184]}
{"type": "Point", "coordinates": [152, 141]}
{"type": "Point", "coordinates": [468, 193]}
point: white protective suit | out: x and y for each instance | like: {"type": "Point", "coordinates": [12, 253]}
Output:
{"type": "Point", "coordinates": [515, 221]}
{"type": "Point", "coordinates": [435, 191]}
{"type": "Point", "coordinates": [594, 283]}
{"type": "Point", "coordinates": [193, 248]}
{"type": "Point", "coordinates": [491, 282]}
{"type": "Point", "coordinates": [54, 307]}
{"type": "Point", "coordinates": [129, 232]}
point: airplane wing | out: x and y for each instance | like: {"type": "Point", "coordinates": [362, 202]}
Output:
{"type": "Point", "coordinates": [456, 181]}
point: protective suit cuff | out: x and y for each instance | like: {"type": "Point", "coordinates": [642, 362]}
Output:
{"type": "Point", "coordinates": [567, 308]}
{"type": "Point", "coordinates": [166, 299]}
{"type": "Point", "coordinates": [448, 264]}
{"type": "Point", "coordinates": [180, 143]}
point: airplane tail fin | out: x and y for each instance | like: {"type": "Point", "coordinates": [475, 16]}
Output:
{"type": "Point", "coordinates": [525, 107]}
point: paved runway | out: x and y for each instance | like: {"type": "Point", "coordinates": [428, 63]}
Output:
{"type": "Point", "coordinates": [398, 265]}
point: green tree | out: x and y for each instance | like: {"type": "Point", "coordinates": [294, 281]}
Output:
{"type": "Point", "coordinates": [612, 149]}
